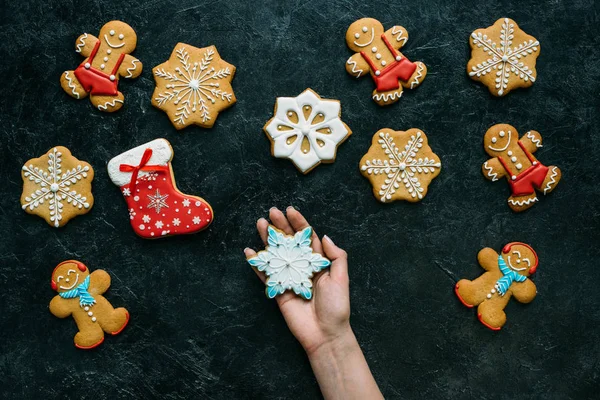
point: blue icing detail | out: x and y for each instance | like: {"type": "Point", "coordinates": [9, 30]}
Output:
{"type": "Point", "coordinates": [303, 238]}
{"type": "Point", "coordinates": [509, 276]}
{"type": "Point", "coordinates": [85, 299]}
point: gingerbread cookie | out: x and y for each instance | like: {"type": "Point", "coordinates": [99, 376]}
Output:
{"type": "Point", "coordinates": [108, 59]}
{"type": "Point", "coordinates": [80, 295]}
{"type": "Point", "coordinates": [498, 63]}
{"type": "Point", "coordinates": [54, 179]}
{"type": "Point", "coordinates": [193, 86]}
{"type": "Point", "coordinates": [506, 276]}
{"type": "Point", "coordinates": [513, 158]}
{"type": "Point", "coordinates": [306, 129]}
{"type": "Point", "coordinates": [377, 53]}
{"type": "Point", "coordinates": [400, 165]}
{"type": "Point", "coordinates": [289, 263]}
{"type": "Point", "coordinates": [156, 207]}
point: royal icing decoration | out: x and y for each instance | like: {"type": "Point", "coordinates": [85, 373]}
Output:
{"type": "Point", "coordinates": [498, 63]}
{"type": "Point", "coordinates": [46, 188]}
{"type": "Point", "coordinates": [306, 129]}
{"type": "Point", "coordinates": [156, 207]}
{"type": "Point", "coordinates": [289, 263]}
{"type": "Point", "coordinates": [193, 86]}
{"type": "Point", "coordinates": [400, 165]}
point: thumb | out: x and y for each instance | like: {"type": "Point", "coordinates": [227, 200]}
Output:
{"type": "Point", "coordinates": [338, 257]}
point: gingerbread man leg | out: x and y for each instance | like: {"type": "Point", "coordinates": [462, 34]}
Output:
{"type": "Point", "coordinates": [491, 312]}
{"type": "Point", "coordinates": [417, 77]}
{"type": "Point", "coordinates": [469, 293]}
{"type": "Point", "coordinates": [111, 320]}
{"type": "Point", "coordinates": [108, 103]}
{"type": "Point", "coordinates": [71, 85]}
{"type": "Point", "coordinates": [90, 336]}
{"type": "Point", "coordinates": [552, 178]}
{"type": "Point", "coordinates": [522, 203]}
{"type": "Point", "coordinates": [389, 97]}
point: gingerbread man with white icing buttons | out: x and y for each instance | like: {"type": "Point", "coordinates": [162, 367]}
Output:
{"type": "Point", "coordinates": [107, 60]}
{"type": "Point", "coordinates": [513, 158]}
{"type": "Point", "coordinates": [377, 53]}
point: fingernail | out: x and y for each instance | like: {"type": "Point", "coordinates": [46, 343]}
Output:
{"type": "Point", "coordinates": [246, 249]}
{"type": "Point", "coordinates": [273, 209]}
{"type": "Point", "coordinates": [290, 208]}
{"type": "Point", "coordinates": [325, 237]}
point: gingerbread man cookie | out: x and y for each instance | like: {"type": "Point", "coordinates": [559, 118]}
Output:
{"type": "Point", "coordinates": [513, 158]}
{"type": "Point", "coordinates": [377, 53]}
{"type": "Point", "coordinates": [80, 295]}
{"type": "Point", "coordinates": [107, 60]}
{"type": "Point", "coordinates": [193, 86]}
{"type": "Point", "coordinates": [498, 63]}
{"type": "Point", "coordinates": [506, 276]}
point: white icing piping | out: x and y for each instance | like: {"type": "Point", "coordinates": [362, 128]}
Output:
{"type": "Point", "coordinates": [490, 172]}
{"type": "Point", "coordinates": [73, 285]}
{"type": "Point", "coordinates": [419, 75]}
{"type": "Point", "coordinates": [70, 83]}
{"type": "Point", "coordinates": [513, 268]}
{"type": "Point", "coordinates": [387, 97]}
{"type": "Point", "coordinates": [503, 148]}
{"type": "Point", "coordinates": [131, 69]}
{"type": "Point", "coordinates": [537, 142]}
{"type": "Point", "coordinates": [355, 69]}
{"type": "Point", "coordinates": [82, 44]}
{"type": "Point", "coordinates": [370, 41]}
{"type": "Point", "coordinates": [522, 202]}
{"type": "Point", "coordinates": [108, 103]}
{"type": "Point", "coordinates": [396, 30]}
{"type": "Point", "coordinates": [112, 45]}
{"type": "Point", "coordinates": [552, 180]}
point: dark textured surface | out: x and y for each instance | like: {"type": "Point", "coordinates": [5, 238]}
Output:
{"type": "Point", "coordinates": [201, 326]}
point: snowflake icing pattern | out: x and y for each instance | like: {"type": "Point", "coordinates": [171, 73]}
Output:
{"type": "Point", "coordinates": [289, 263]}
{"type": "Point", "coordinates": [55, 187]}
{"type": "Point", "coordinates": [504, 59]}
{"type": "Point", "coordinates": [193, 86]}
{"type": "Point", "coordinates": [403, 167]}
{"type": "Point", "coordinates": [158, 201]}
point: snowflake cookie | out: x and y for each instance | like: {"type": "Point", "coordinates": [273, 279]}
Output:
{"type": "Point", "coordinates": [306, 129]}
{"type": "Point", "coordinates": [193, 86]}
{"type": "Point", "coordinates": [289, 262]}
{"type": "Point", "coordinates": [57, 186]}
{"type": "Point", "coordinates": [503, 57]}
{"type": "Point", "coordinates": [400, 165]}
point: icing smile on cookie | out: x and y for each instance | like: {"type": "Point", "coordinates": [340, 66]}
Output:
{"type": "Point", "coordinates": [67, 280]}
{"type": "Point", "coordinates": [518, 262]}
{"type": "Point", "coordinates": [113, 45]}
{"type": "Point", "coordinates": [495, 139]}
{"type": "Point", "coordinates": [357, 35]}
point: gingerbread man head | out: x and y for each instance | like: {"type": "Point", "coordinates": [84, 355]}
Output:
{"type": "Point", "coordinates": [502, 140]}
{"type": "Point", "coordinates": [68, 275]}
{"type": "Point", "coordinates": [364, 34]}
{"type": "Point", "coordinates": [520, 258]}
{"type": "Point", "coordinates": [117, 38]}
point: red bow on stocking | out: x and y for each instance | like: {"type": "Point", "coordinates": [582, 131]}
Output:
{"type": "Point", "coordinates": [136, 169]}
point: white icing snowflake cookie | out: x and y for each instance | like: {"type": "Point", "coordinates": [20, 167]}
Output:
{"type": "Point", "coordinates": [57, 186]}
{"type": "Point", "coordinates": [400, 165]}
{"type": "Point", "coordinates": [503, 57]}
{"type": "Point", "coordinates": [289, 263]}
{"type": "Point", "coordinates": [306, 129]}
{"type": "Point", "coordinates": [193, 86]}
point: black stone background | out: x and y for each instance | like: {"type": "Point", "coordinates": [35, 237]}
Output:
{"type": "Point", "coordinates": [201, 325]}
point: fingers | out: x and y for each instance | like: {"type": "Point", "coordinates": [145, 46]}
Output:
{"type": "Point", "coordinates": [298, 223]}
{"type": "Point", "coordinates": [261, 226]}
{"type": "Point", "coordinates": [280, 221]}
{"type": "Point", "coordinates": [338, 257]}
{"type": "Point", "coordinates": [249, 253]}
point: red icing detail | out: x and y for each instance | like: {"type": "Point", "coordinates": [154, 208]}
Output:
{"type": "Point", "coordinates": [123, 327]}
{"type": "Point", "coordinates": [161, 209]}
{"type": "Point", "coordinates": [90, 347]}
{"type": "Point", "coordinates": [97, 82]}
{"type": "Point", "coordinates": [136, 170]}
{"type": "Point", "coordinates": [460, 298]}
{"type": "Point", "coordinates": [81, 266]}
{"type": "Point", "coordinates": [397, 70]}
{"type": "Point", "coordinates": [494, 328]}
{"type": "Point", "coordinates": [53, 285]}
{"type": "Point", "coordinates": [527, 180]}
{"type": "Point", "coordinates": [506, 250]}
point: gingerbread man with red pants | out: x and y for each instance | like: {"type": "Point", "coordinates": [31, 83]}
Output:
{"type": "Point", "coordinates": [506, 276]}
{"type": "Point", "coordinates": [107, 60]}
{"type": "Point", "coordinates": [377, 53]}
{"type": "Point", "coordinates": [80, 296]}
{"type": "Point", "coordinates": [513, 158]}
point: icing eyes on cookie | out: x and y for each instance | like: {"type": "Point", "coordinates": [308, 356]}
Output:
{"type": "Point", "coordinates": [494, 139]}
{"type": "Point", "coordinates": [121, 36]}
{"type": "Point", "coordinates": [111, 33]}
{"type": "Point", "coordinates": [365, 29]}
{"type": "Point", "coordinates": [356, 35]}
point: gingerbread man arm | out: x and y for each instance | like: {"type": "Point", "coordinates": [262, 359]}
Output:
{"type": "Point", "coordinates": [357, 66]}
{"type": "Point", "coordinates": [131, 67]}
{"type": "Point", "coordinates": [524, 291]}
{"type": "Point", "coordinates": [488, 259]}
{"type": "Point", "coordinates": [85, 44]}
{"type": "Point", "coordinates": [99, 282]}
{"type": "Point", "coordinates": [493, 170]}
{"type": "Point", "coordinates": [59, 307]}
{"type": "Point", "coordinates": [532, 141]}
{"type": "Point", "coordinates": [397, 36]}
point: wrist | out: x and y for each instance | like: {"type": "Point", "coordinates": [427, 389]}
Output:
{"type": "Point", "coordinates": [337, 347]}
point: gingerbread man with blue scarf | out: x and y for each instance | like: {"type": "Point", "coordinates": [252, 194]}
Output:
{"type": "Point", "coordinates": [80, 295]}
{"type": "Point", "coordinates": [507, 275]}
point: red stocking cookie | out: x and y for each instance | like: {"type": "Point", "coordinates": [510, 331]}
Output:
{"type": "Point", "coordinates": [513, 158]}
{"type": "Point", "coordinates": [80, 296]}
{"type": "Point", "coordinates": [156, 207]}
{"type": "Point", "coordinates": [377, 53]}
{"type": "Point", "coordinates": [107, 60]}
{"type": "Point", "coordinates": [506, 276]}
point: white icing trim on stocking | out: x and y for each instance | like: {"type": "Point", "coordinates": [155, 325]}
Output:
{"type": "Point", "coordinates": [162, 153]}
